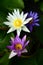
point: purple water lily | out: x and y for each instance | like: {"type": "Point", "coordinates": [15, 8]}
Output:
{"type": "Point", "coordinates": [34, 21]}
{"type": "Point", "coordinates": [18, 46]}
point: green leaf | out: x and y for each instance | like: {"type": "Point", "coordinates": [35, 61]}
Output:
{"type": "Point", "coordinates": [5, 41]}
{"type": "Point", "coordinates": [11, 4]}
{"type": "Point", "coordinates": [2, 17]}
{"type": "Point", "coordinates": [4, 60]}
{"type": "Point", "coordinates": [41, 6]}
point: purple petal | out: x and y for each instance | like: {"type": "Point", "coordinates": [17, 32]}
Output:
{"type": "Point", "coordinates": [23, 40]}
{"type": "Point", "coordinates": [36, 20]}
{"type": "Point", "coordinates": [30, 13]}
{"type": "Point", "coordinates": [19, 53]}
{"type": "Point", "coordinates": [35, 14]}
{"type": "Point", "coordinates": [26, 43]}
{"type": "Point", "coordinates": [17, 40]}
{"type": "Point", "coordinates": [35, 17]}
{"type": "Point", "coordinates": [37, 24]}
{"type": "Point", "coordinates": [10, 47]}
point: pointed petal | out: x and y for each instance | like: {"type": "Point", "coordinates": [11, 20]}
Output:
{"type": "Point", "coordinates": [24, 39]}
{"type": "Point", "coordinates": [7, 23]}
{"type": "Point", "coordinates": [22, 14]}
{"type": "Point", "coordinates": [18, 12]}
{"type": "Point", "coordinates": [15, 11]}
{"type": "Point", "coordinates": [12, 39]}
{"type": "Point", "coordinates": [36, 14]}
{"type": "Point", "coordinates": [12, 54]}
{"type": "Point", "coordinates": [25, 50]}
{"type": "Point", "coordinates": [11, 16]}
{"type": "Point", "coordinates": [36, 17]}
{"type": "Point", "coordinates": [10, 47]}
{"type": "Point", "coordinates": [11, 30]}
{"type": "Point", "coordinates": [37, 24]}
{"type": "Point", "coordinates": [19, 53]}
{"type": "Point", "coordinates": [26, 43]}
{"type": "Point", "coordinates": [25, 29]}
{"type": "Point", "coordinates": [36, 20]}
{"type": "Point", "coordinates": [17, 39]}
{"type": "Point", "coordinates": [27, 20]}
{"type": "Point", "coordinates": [30, 13]}
{"type": "Point", "coordinates": [25, 15]}
{"type": "Point", "coordinates": [18, 32]}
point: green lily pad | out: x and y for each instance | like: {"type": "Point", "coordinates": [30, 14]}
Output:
{"type": "Point", "coordinates": [11, 4]}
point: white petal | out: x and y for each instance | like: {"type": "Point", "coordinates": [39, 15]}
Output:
{"type": "Point", "coordinates": [25, 15]}
{"type": "Point", "coordinates": [10, 15]}
{"type": "Point", "coordinates": [27, 20]}
{"type": "Point", "coordinates": [14, 15]}
{"type": "Point", "coordinates": [25, 50]}
{"type": "Point", "coordinates": [18, 32]}
{"type": "Point", "coordinates": [22, 15]}
{"type": "Point", "coordinates": [10, 19]}
{"type": "Point", "coordinates": [25, 29]}
{"type": "Point", "coordinates": [7, 23]}
{"type": "Point", "coordinates": [12, 39]}
{"type": "Point", "coordinates": [18, 12]}
{"type": "Point", "coordinates": [15, 11]}
{"type": "Point", "coordinates": [12, 54]}
{"type": "Point", "coordinates": [11, 30]}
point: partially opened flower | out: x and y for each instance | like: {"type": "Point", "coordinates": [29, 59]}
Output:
{"type": "Point", "coordinates": [18, 46]}
{"type": "Point", "coordinates": [34, 21]}
{"type": "Point", "coordinates": [17, 21]}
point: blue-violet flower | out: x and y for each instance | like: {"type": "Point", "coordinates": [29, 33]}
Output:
{"type": "Point", "coordinates": [34, 21]}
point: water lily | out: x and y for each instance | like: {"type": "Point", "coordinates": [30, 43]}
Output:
{"type": "Point", "coordinates": [34, 21]}
{"type": "Point", "coordinates": [17, 21]}
{"type": "Point", "coordinates": [18, 46]}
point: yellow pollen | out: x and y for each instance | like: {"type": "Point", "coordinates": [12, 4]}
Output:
{"type": "Point", "coordinates": [17, 23]}
{"type": "Point", "coordinates": [18, 46]}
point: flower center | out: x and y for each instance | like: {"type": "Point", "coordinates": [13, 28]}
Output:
{"type": "Point", "coordinates": [18, 46]}
{"type": "Point", "coordinates": [17, 23]}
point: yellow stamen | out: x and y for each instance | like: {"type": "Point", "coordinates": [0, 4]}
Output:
{"type": "Point", "coordinates": [17, 23]}
{"type": "Point", "coordinates": [18, 46]}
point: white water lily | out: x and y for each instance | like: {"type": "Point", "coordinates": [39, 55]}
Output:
{"type": "Point", "coordinates": [17, 21]}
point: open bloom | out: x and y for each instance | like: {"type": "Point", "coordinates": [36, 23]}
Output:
{"type": "Point", "coordinates": [34, 21]}
{"type": "Point", "coordinates": [18, 46]}
{"type": "Point", "coordinates": [17, 21]}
